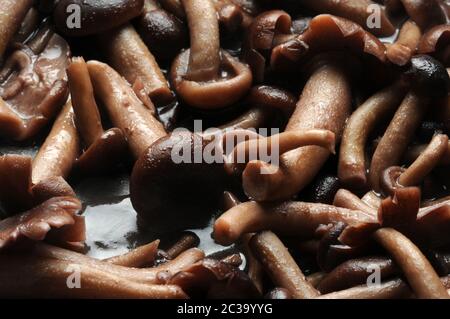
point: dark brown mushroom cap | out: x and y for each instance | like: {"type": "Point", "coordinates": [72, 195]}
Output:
{"type": "Point", "coordinates": [260, 37]}
{"type": "Point", "coordinates": [170, 196]}
{"type": "Point", "coordinates": [428, 76]}
{"type": "Point", "coordinates": [234, 81]}
{"type": "Point", "coordinates": [163, 33]}
{"type": "Point", "coordinates": [35, 90]}
{"type": "Point", "coordinates": [96, 16]}
{"type": "Point", "coordinates": [327, 33]}
{"type": "Point", "coordinates": [104, 154]}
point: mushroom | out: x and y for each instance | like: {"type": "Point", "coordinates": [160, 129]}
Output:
{"type": "Point", "coordinates": [56, 218]}
{"type": "Point", "coordinates": [426, 13]}
{"type": "Point", "coordinates": [11, 16]}
{"type": "Point", "coordinates": [289, 218]}
{"type": "Point", "coordinates": [405, 46]}
{"type": "Point", "coordinates": [142, 256]}
{"type": "Point", "coordinates": [418, 271]}
{"type": "Point", "coordinates": [352, 162]}
{"type": "Point", "coordinates": [280, 266]}
{"type": "Point", "coordinates": [205, 76]}
{"type": "Point", "coordinates": [95, 16]}
{"type": "Point", "coordinates": [436, 42]}
{"type": "Point", "coordinates": [359, 11]}
{"type": "Point", "coordinates": [27, 182]}
{"type": "Point", "coordinates": [189, 240]}
{"type": "Point", "coordinates": [161, 31]}
{"type": "Point", "coordinates": [324, 104]}
{"type": "Point", "coordinates": [29, 24]}
{"type": "Point", "coordinates": [347, 199]}
{"type": "Point", "coordinates": [128, 55]}
{"type": "Point", "coordinates": [102, 149]}
{"type": "Point", "coordinates": [33, 87]}
{"type": "Point", "coordinates": [356, 272]}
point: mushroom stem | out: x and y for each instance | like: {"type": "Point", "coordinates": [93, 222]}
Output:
{"type": "Point", "coordinates": [128, 54]}
{"type": "Point", "coordinates": [255, 270]}
{"type": "Point", "coordinates": [372, 199]}
{"type": "Point", "coordinates": [324, 104]}
{"type": "Point", "coordinates": [279, 144]}
{"type": "Point", "coordinates": [405, 46]}
{"type": "Point", "coordinates": [189, 240]}
{"type": "Point", "coordinates": [125, 109]}
{"type": "Point", "coordinates": [347, 199]}
{"type": "Point", "coordinates": [83, 101]}
{"type": "Point", "coordinates": [60, 149]}
{"type": "Point", "coordinates": [426, 162]}
{"type": "Point", "coordinates": [393, 289]}
{"type": "Point", "coordinates": [359, 11]}
{"type": "Point", "coordinates": [280, 265]}
{"type": "Point", "coordinates": [398, 135]}
{"type": "Point", "coordinates": [136, 258]}
{"type": "Point", "coordinates": [425, 13]}
{"type": "Point", "coordinates": [12, 13]}
{"type": "Point", "coordinates": [204, 58]}
{"type": "Point", "coordinates": [417, 269]}
{"type": "Point", "coordinates": [289, 218]}
{"type": "Point", "coordinates": [30, 277]}
{"type": "Point", "coordinates": [352, 164]}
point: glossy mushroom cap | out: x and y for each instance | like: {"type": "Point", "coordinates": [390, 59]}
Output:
{"type": "Point", "coordinates": [169, 194]}
{"type": "Point", "coordinates": [96, 16]}
{"type": "Point", "coordinates": [231, 85]}
{"type": "Point", "coordinates": [428, 76]}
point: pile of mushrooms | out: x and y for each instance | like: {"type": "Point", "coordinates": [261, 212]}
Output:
{"type": "Point", "coordinates": [346, 105]}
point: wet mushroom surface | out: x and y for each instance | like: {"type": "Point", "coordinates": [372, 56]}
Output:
{"type": "Point", "coordinates": [225, 149]}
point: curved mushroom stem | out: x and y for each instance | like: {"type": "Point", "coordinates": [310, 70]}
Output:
{"type": "Point", "coordinates": [136, 258]}
{"type": "Point", "coordinates": [356, 272]}
{"type": "Point", "coordinates": [60, 150]}
{"type": "Point", "coordinates": [204, 58]}
{"type": "Point", "coordinates": [324, 104]}
{"type": "Point", "coordinates": [280, 265]}
{"type": "Point", "coordinates": [352, 164]}
{"type": "Point", "coordinates": [30, 277]}
{"type": "Point", "coordinates": [84, 105]}
{"type": "Point", "coordinates": [277, 145]}
{"type": "Point", "coordinates": [425, 13]}
{"type": "Point", "coordinates": [398, 135]}
{"type": "Point", "coordinates": [425, 163]}
{"type": "Point", "coordinates": [393, 289]}
{"type": "Point", "coordinates": [417, 269]}
{"type": "Point", "coordinates": [405, 46]}
{"type": "Point", "coordinates": [12, 13]}
{"type": "Point", "coordinates": [355, 10]}
{"type": "Point", "coordinates": [347, 199]}
{"type": "Point", "coordinates": [290, 218]}
{"type": "Point", "coordinates": [125, 109]}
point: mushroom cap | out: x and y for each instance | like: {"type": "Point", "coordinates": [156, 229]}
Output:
{"type": "Point", "coordinates": [104, 154]}
{"type": "Point", "coordinates": [96, 16]}
{"type": "Point", "coordinates": [163, 33]}
{"type": "Point", "coordinates": [234, 81]}
{"type": "Point", "coordinates": [169, 194]}
{"type": "Point", "coordinates": [27, 105]}
{"type": "Point", "coordinates": [428, 76]}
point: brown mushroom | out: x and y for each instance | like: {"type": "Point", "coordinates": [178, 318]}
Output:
{"type": "Point", "coordinates": [128, 55]}
{"type": "Point", "coordinates": [204, 76]}
{"type": "Point", "coordinates": [33, 87]}
{"type": "Point", "coordinates": [102, 149]}
{"type": "Point", "coordinates": [352, 162]}
{"type": "Point", "coordinates": [12, 12]}
{"type": "Point", "coordinates": [93, 16]}
{"type": "Point", "coordinates": [289, 218]}
{"type": "Point", "coordinates": [324, 104]}
{"type": "Point", "coordinates": [56, 217]}
{"type": "Point", "coordinates": [426, 13]}
{"type": "Point", "coordinates": [359, 11]}
{"type": "Point", "coordinates": [141, 256]}
{"type": "Point", "coordinates": [436, 42]}
{"type": "Point", "coordinates": [405, 46]}
{"type": "Point", "coordinates": [417, 269]}
{"type": "Point", "coordinates": [280, 266]}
